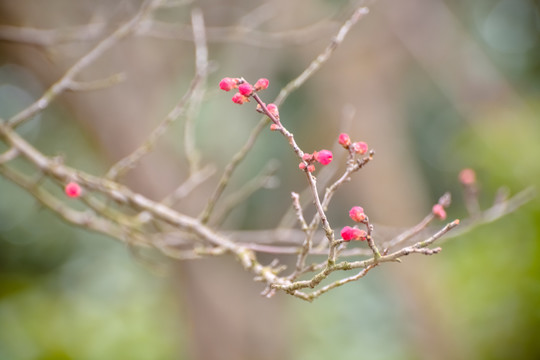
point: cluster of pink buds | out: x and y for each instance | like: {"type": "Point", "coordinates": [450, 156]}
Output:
{"type": "Point", "coordinates": [324, 157]}
{"type": "Point", "coordinates": [73, 190]}
{"type": "Point", "coordinates": [351, 233]}
{"type": "Point", "coordinates": [245, 89]}
{"type": "Point", "coordinates": [359, 147]}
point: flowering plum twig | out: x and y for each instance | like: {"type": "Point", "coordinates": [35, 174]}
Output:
{"type": "Point", "coordinates": [294, 84]}
{"type": "Point", "coordinates": [112, 208]}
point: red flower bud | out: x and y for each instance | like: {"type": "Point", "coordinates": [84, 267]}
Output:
{"type": "Point", "coordinates": [245, 89]}
{"type": "Point", "coordinates": [324, 156]}
{"type": "Point", "coordinates": [239, 99]}
{"type": "Point", "coordinates": [357, 214]}
{"type": "Point", "coordinates": [438, 211]}
{"type": "Point", "coordinates": [348, 233]}
{"type": "Point", "coordinates": [467, 176]}
{"type": "Point", "coordinates": [273, 109]}
{"type": "Point", "coordinates": [73, 190]}
{"type": "Point", "coordinates": [227, 84]}
{"type": "Point", "coordinates": [344, 140]}
{"type": "Point", "coordinates": [261, 84]}
{"type": "Point", "coordinates": [360, 147]}
{"type": "Point", "coordinates": [311, 168]}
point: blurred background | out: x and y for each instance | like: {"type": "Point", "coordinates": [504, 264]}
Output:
{"type": "Point", "coordinates": [433, 86]}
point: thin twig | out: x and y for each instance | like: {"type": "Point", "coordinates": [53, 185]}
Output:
{"type": "Point", "coordinates": [128, 162]}
{"type": "Point", "coordinates": [189, 185]}
{"type": "Point", "coordinates": [66, 80]}
{"type": "Point", "coordinates": [201, 71]}
{"type": "Point", "coordinates": [247, 189]}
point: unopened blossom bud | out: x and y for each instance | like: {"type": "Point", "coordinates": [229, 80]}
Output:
{"type": "Point", "coordinates": [311, 168]}
{"type": "Point", "coordinates": [438, 211]}
{"type": "Point", "coordinates": [348, 233]}
{"type": "Point", "coordinates": [357, 214]}
{"type": "Point", "coordinates": [273, 109]}
{"type": "Point", "coordinates": [261, 84]}
{"type": "Point", "coordinates": [324, 156]}
{"type": "Point", "coordinates": [360, 147]}
{"type": "Point", "coordinates": [467, 176]}
{"type": "Point", "coordinates": [274, 127]}
{"type": "Point", "coordinates": [239, 99]}
{"type": "Point", "coordinates": [307, 157]}
{"type": "Point", "coordinates": [227, 84]}
{"type": "Point", "coordinates": [344, 140]}
{"type": "Point", "coordinates": [73, 190]}
{"type": "Point", "coordinates": [302, 166]}
{"type": "Point", "coordinates": [245, 89]}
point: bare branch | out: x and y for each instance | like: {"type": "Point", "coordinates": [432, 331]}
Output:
{"type": "Point", "coordinates": [66, 80]}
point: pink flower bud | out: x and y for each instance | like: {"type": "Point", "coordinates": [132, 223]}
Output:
{"type": "Point", "coordinates": [467, 176]}
{"type": "Point", "coordinates": [311, 168]}
{"type": "Point", "coordinates": [261, 84]}
{"type": "Point", "coordinates": [239, 99]}
{"type": "Point", "coordinates": [301, 166]}
{"type": "Point", "coordinates": [344, 140]}
{"type": "Point", "coordinates": [361, 235]}
{"type": "Point", "coordinates": [274, 127]}
{"type": "Point", "coordinates": [307, 157]}
{"type": "Point", "coordinates": [245, 89]}
{"type": "Point", "coordinates": [348, 233]}
{"type": "Point", "coordinates": [273, 109]}
{"type": "Point", "coordinates": [73, 190]}
{"type": "Point", "coordinates": [360, 147]}
{"type": "Point", "coordinates": [227, 84]}
{"type": "Point", "coordinates": [324, 156]}
{"type": "Point", "coordinates": [357, 214]}
{"type": "Point", "coordinates": [438, 211]}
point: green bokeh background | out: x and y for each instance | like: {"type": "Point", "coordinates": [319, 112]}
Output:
{"type": "Point", "coordinates": [66, 293]}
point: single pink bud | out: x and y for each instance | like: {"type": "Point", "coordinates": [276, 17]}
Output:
{"type": "Point", "coordinates": [348, 233]}
{"type": "Point", "coordinates": [324, 156]}
{"type": "Point", "coordinates": [73, 190]}
{"type": "Point", "coordinates": [227, 84]}
{"type": "Point", "coordinates": [239, 99]}
{"type": "Point", "coordinates": [438, 211]}
{"type": "Point", "coordinates": [344, 140]}
{"type": "Point", "coordinates": [301, 166]}
{"type": "Point", "coordinates": [360, 147]}
{"type": "Point", "coordinates": [357, 214]}
{"type": "Point", "coordinates": [361, 235]}
{"type": "Point", "coordinates": [261, 84]}
{"type": "Point", "coordinates": [274, 127]}
{"type": "Point", "coordinates": [467, 176]}
{"type": "Point", "coordinates": [245, 89]}
{"type": "Point", "coordinates": [307, 157]}
{"type": "Point", "coordinates": [311, 168]}
{"type": "Point", "coordinates": [273, 109]}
